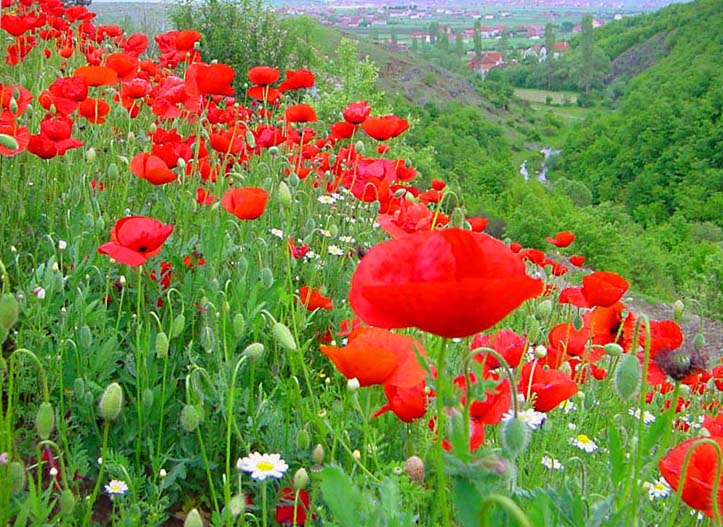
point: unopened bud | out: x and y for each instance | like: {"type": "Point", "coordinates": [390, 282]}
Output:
{"type": "Point", "coordinates": [317, 455]}
{"type": "Point", "coordinates": [147, 398]}
{"type": "Point", "coordinates": [250, 139]}
{"type": "Point", "coordinates": [239, 325]}
{"type": "Point", "coordinates": [267, 277]}
{"type": "Point", "coordinates": [179, 323]}
{"type": "Point", "coordinates": [352, 384]}
{"type": "Point", "coordinates": [181, 164]}
{"type": "Point", "coordinates": [190, 418]}
{"type": "Point", "coordinates": [162, 345]}
{"type": "Point", "coordinates": [627, 376]}
{"type": "Point", "coordinates": [67, 502]}
{"type": "Point", "coordinates": [301, 479]}
{"type": "Point", "coordinates": [9, 142]}
{"type": "Point", "coordinates": [414, 467]}
{"type": "Point", "coordinates": [237, 505]}
{"type": "Point", "coordinates": [359, 146]}
{"type": "Point", "coordinates": [458, 218]}
{"type": "Point", "coordinates": [253, 351]}
{"type": "Point", "coordinates": [532, 328]}
{"type": "Point", "coordinates": [613, 349]}
{"type": "Point", "coordinates": [90, 155]}
{"type": "Point", "coordinates": [544, 308]}
{"type": "Point", "coordinates": [699, 341]}
{"type": "Point", "coordinates": [9, 311]}
{"type": "Point", "coordinates": [283, 336]}
{"type": "Point", "coordinates": [303, 439]}
{"type": "Point", "coordinates": [207, 339]}
{"type": "Point", "coordinates": [274, 150]}
{"type": "Point", "coordinates": [113, 171]}
{"type": "Point", "coordinates": [111, 402]}
{"type": "Point", "coordinates": [193, 519]}
{"type": "Point", "coordinates": [540, 351]}
{"type": "Point", "coordinates": [45, 420]}
{"type": "Point", "coordinates": [577, 322]}
{"type": "Point", "coordinates": [515, 436]}
{"type": "Point", "coordinates": [16, 476]}
{"type": "Point", "coordinates": [285, 197]}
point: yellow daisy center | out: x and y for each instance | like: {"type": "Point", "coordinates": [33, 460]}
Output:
{"type": "Point", "coordinates": [582, 438]}
{"type": "Point", "coordinates": [265, 466]}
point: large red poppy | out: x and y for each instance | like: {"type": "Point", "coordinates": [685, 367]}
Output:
{"type": "Point", "coordinates": [312, 299]}
{"type": "Point", "coordinates": [151, 168]}
{"type": "Point", "coordinates": [246, 203]}
{"type": "Point", "coordinates": [562, 239]}
{"type": "Point", "coordinates": [300, 113]}
{"type": "Point", "coordinates": [134, 239]}
{"type": "Point", "coordinates": [385, 127]}
{"type": "Point", "coordinates": [209, 79]}
{"type": "Point", "coordinates": [296, 80]}
{"type": "Point", "coordinates": [602, 289]}
{"type": "Point", "coordinates": [263, 75]}
{"type": "Point", "coordinates": [699, 476]}
{"type": "Point", "coordinates": [549, 387]}
{"type": "Point", "coordinates": [356, 112]}
{"type": "Point", "coordinates": [452, 283]}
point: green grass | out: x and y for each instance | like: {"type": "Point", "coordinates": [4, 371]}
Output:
{"type": "Point", "coordinates": [541, 96]}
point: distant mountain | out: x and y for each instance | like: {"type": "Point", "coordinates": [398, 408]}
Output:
{"type": "Point", "coordinates": [660, 152]}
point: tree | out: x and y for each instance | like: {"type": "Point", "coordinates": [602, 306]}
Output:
{"type": "Point", "coordinates": [549, 50]}
{"type": "Point", "coordinates": [504, 45]}
{"type": "Point", "coordinates": [477, 38]}
{"type": "Point", "coordinates": [587, 56]}
{"type": "Point", "coordinates": [458, 43]}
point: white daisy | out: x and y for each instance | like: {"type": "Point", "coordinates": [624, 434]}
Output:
{"type": "Point", "coordinates": [116, 487]}
{"type": "Point", "coordinates": [552, 464]}
{"type": "Point", "coordinates": [326, 200]}
{"type": "Point", "coordinates": [278, 233]}
{"type": "Point", "coordinates": [346, 239]}
{"type": "Point", "coordinates": [325, 232]}
{"type": "Point", "coordinates": [646, 416]}
{"type": "Point", "coordinates": [568, 406]}
{"type": "Point", "coordinates": [584, 443]}
{"type": "Point", "coordinates": [262, 466]}
{"type": "Point", "coordinates": [531, 418]}
{"type": "Point", "coordinates": [335, 250]}
{"type": "Point", "coordinates": [657, 489]}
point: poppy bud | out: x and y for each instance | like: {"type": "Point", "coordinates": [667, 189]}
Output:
{"type": "Point", "coordinates": [190, 418]}
{"type": "Point", "coordinates": [9, 311]}
{"type": "Point", "coordinates": [16, 476]}
{"type": "Point", "coordinates": [301, 479]}
{"type": "Point", "coordinates": [303, 439]}
{"type": "Point", "coordinates": [273, 150]}
{"type": "Point", "coordinates": [78, 388]}
{"type": "Point", "coordinates": [179, 324]}
{"type": "Point", "coordinates": [613, 349]}
{"type": "Point", "coordinates": [414, 467]}
{"type": "Point", "coordinates": [124, 160]}
{"type": "Point", "coordinates": [161, 345]}
{"type": "Point", "coordinates": [334, 230]}
{"type": "Point", "coordinates": [67, 502]}
{"type": "Point", "coordinates": [13, 105]}
{"type": "Point", "coordinates": [458, 219]}
{"type": "Point", "coordinates": [85, 337]}
{"type": "Point", "coordinates": [147, 399]}
{"type": "Point", "coordinates": [678, 309]}
{"type": "Point", "coordinates": [207, 339]}
{"type": "Point", "coordinates": [9, 142]}
{"type": "Point", "coordinates": [283, 336]}
{"type": "Point", "coordinates": [293, 180]}
{"type": "Point", "coordinates": [544, 308]}
{"type": "Point", "coordinates": [193, 519]}
{"type": "Point", "coordinates": [353, 385]}
{"type": "Point", "coordinates": [111, 402]}
{"type": "Point", "coordinates": [540, 351]}
{"type": "Point", "coordinates": [131, 137]}
{"type": "Point", "coordinates": [113, 170]}
{"type": "Point", "coordinates": [515, 436]}
{"type": "Point", "coordinates": [45, 420]}
{"type": "Point", "coordinates": [285, 197]}
{"type": "Point", "coordinates": [577, 322]}
{"type": "Point", "coordinates": [253, 351]}
{"type": "Point", "coordinates": [267, 277]}
{"type": "Point", "coordinates": [359, 147]}
{"type": "Point", "coordinates": [532, 328]}
{"type": "Point", "coordinates": [250, 139]}
{"type": "Point", "coordinates": [90, 155]}
{"type": "Point", "coordinates": [237, 505]}
{"type": "Point", "coordinates": [239, 325]}
{"type": "Point", "coordinates": [699, 341]}
{"type": "Point", "coordinates": [317, 455]}
{"type": "Point", "coordinates": [627, 376]}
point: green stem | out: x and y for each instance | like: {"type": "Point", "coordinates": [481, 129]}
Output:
{"type": "Point", "coordinates": [441, 506]}
{"type": "Point", "coordinates": [507, 504]}
{"type": "Point", "coordinates": [103, 451]}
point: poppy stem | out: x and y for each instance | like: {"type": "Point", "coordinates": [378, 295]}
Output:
{"type": "Point", "coordinates": [442, 508]}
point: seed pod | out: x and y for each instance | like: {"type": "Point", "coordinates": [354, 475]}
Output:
{"type": "Point", "coordinates": [16, 475]}
{"type": "Point", "coordinates": [9, 311]}
{"type": "Point", "coordinates": [283, 336]}
{"type": "Point", "coordinates": [301, 479]}
{"type": "Point", "coordinates": [414, 467]}
{"type": "Point", "coordinates": [162, 345]}
{"type": "Point", "coordinates": [190, 418]}
{"type": "Point", "coordinates": [193, 519]}
{"type": "Point", "coordinates": [627, 376]}
{"type": "Point", "coordinates": [285, 197]}
{"type": "Point", "coordinates": [111, 402]}
{"type": "Point", "coordinates": [67, 502]}
{"type": "Point", "coordinates": [515, 436]}
{"type": "Point", "coordinates": [45, 420]}
{"type": "Point", "coordinates": [317, 455]}
{"type": "Point", "coordinates": [179, 324]}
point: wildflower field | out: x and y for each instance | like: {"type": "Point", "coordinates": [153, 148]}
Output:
{"type": "Point", "coordinates": [223, 308]}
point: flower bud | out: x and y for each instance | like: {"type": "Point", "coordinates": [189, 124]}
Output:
{"type": "Point", "coordinates": [414, 467]}
{"type": "Point", "coordinates": [267, 277]}
{"type": "Point", "coordinates": [237, 505]}
{"type": "Point", "coordinates": [13, 105]}
{"type": "Point", "coordinates": [193, 519]}
{"type": "Point", "coordinates": [9, 142]}
{"type": "Point", "coordinates": [353, 385]}
{"type": "Point", "coordinates": [515, 436]}
{"type": "Point", "coordinates": [90, 155]}
{"type": "Point", "coordinates": [67, 502]}
{"type": "Point", "coordinates": [179, 324]}
{"type": "Point", "coordinates": [627, 376]}
{"type": "Point", "coordinates": [161, 345]}
{"type": "Point", "coordinates": [301, 479]}
{"type": "Point", "coordinates": [544, 308]}
{"type": "Point", "coordinates": [283, 336]}
{"type": "Point", "coordinates": [147, 399]}
{"type": "Point", "coordinates": [699, 341]}
{"type": "Point", "coordinates": [577, 322]}
{"type": "Point", "coordinates": [9, 311]}
{"type": "Point", "coordinates": [190, 418]}
{"type": "Point", "coordinates": [540, 352]}
{"type": "Point", "coordinates": [111, 402]}
{"type": "Point", "coordinates": [207, 339]}
{"type": "Point", "coordinates": [317, 455]}
{"type": "Point", "coordinates": [458, 219]}
{"type": "Point", "coordinates": [613, 349]}
{"type": "Point", "coordinates": [16, 476]}
{"type": "Point", "coordinates": [532, 328]}
{"type": "Point", "coordinates": [678, 310]}
{"type": "Point", "coordinates": [273, 151]}
{"type": "Point", "coordinates": [253, 351]}
{"type": "Point", "coordinates": [45, 420]}
{"type": "Point", "coordinates": [359, 146]}
{"type": "Point", "coordinates": [303, 439]}
{"type": "Point", "coordinates": [239, 325]}
{"type": "Point", "coordinates": [285, 197]}
{"type": "Point", "coordinates": [85, 337]}
{"type": "Point", "coordinates": [250, 139]}
{"type": "Point", "coordinates": [334, 230]}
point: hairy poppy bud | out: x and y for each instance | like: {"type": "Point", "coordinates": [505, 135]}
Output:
{"type": "Point", "coordinates": [239, 325]}
{"type": "Point", "coordinates": [250, 139]}
{"type": "Point", "coordinates": [613, 349]}
{"type": "Point", "coordinates": [111, 402]}
{"type": "Point", "coordinates": [678, 310]}
{"type": "Point", "coordinates": [458, 219]}
{"type": "Point", "coordinates": [303, 439]}
{"type": "Point", "coordinates": [9, 142]}
{"type": "Point", "coordinates": [577, 322]}
{"type": "Point", "coordinates": [237, 505]}
{"type": "Point", "coordinates": [147, 398]}
{"type": "Point", "coordinates": [699, 341]}
{"type": "Point", "coordinates": [179, 323]}
{"type": "Point", "coordinates": [285, 197]}
{"type": "Point", "coordinates": [207, 339]}
{"type": "Point", "coordinates": [317, 455]}
{"type": "Point", "coordinates": [267, 277]}
{"type": "Point", "coordinates": [273, 150]}
{"type": "Point", "coordinates": [45, 420]}
{"type": "Point", "coordinates": [414, 467]}
{"type": "Point", "coordinates": [627, 376]}
{"type": "Point", "coordinates": [67, 502]}
{"type": "Point", "coordinates": [16, 476]}
{"type": "Point", "coordinates": [113, 171]}
{"type": "Point", "coordinates": [85, 337]}
{"type": "Point", "coordinates": [544, 308]}
{"type": "Point", "coordinates": [532, 328]}
{"type": "Point", "coordinates": [515, 436]}
{"type": "Point", "coordinates": [301, 479]}
{"type": "Point", "coordinates": [161, 345]}
{"type": "Point", "coordinates": [90, 155]}
{"type": "Point", "coordinates": [254, 350]}
{"type": "Point", "coordinates": [190, 418]}
{"type": "Point", "coordinates": [193, 519]}
{"type": "Point", "coordinates": [283, 336]}
{"type": "Point", "coordinates": [9, 311]}
{"type": "Point", "coordinates": [359, 146]}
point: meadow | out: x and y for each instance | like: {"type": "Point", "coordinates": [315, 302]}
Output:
{"type": "Point", "coordinates": [242, 308]}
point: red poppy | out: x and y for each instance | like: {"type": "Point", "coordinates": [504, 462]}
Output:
{"type": "Point", "coordinates": [385, 127]}
{"type": "Point", "coordinates": [263, 75]}
{"type": "Point", "coordinates": [312, 299]}
{"type": "Point", "coordinates": [204, 197]}
{"type": "Point", "coordinates": [699, 478]}
{"type": "Point", "coordinates": [285, 514]}
{"type": "Point", "coordinates": [378, 356]}
{"type": "Point", "coordinates": [452, 283]}
{"type": "Point", "coordinates": [134, 239]}
{"type": "Point", "coordinates": [264, 93]}
{"type": "Point", "coordinates": [407, 402]}
{"type": "Point", "coordinates": [300, 113]}
{"type": "Point", "coordinates": [125, 65]}
{"type": "Point", "coordinates": [94, 110]}
{"type": "Point", "coordinates": [598, 289]}
{"type": "Point", "coordinates": [246, 203]}
{"type": "Point", "coordinates": [298, 252]}
{"type": "Point", "coordinates": [562, 239]}
{"type": "Point", "coordinates": [356, 112]}
{"type": "Point", "coordinates": [478, 224]}
{"type": "Point", "coordinates": [577, 260]}
{"type": "Point", "coordinates": [505, 342]}
{"type": "Point", "coordinates": [209, 79]}
{"type": "Point", "coordinates": [151, 168]}
{"type": "Point", "coordinates": [296, 80]}
{"type": "Point", "coordinates": [97, 75]}
{"type": "Point", "coordinates": [550, 387]}
{"type": "Point", "coordinates": [341, 130]}
{"type": "Point", "coordinates": [411, 217]}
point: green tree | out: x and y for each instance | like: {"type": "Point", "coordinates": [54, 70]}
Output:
{"type": "Point", "coordinates": [458, 43]}
{"type": "Point", "coordinates": [587, 54]}
{"type": "Point", "coordinates": [549, 50]}
{"type": "Point", "coordinates": [477, 38]}
{"type": "Point", "coordinates": [504, 45]}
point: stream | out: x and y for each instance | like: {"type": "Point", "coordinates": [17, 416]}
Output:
{"type": "Point", "coordinates": [542, 174]}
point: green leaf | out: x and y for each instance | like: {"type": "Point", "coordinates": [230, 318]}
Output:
{"type": "Point", "coordinates": [342, 497]}
{"type": "Point", "coordinates": [617, 457]}
{"type": "Point", "coordinates": [467, 501]}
